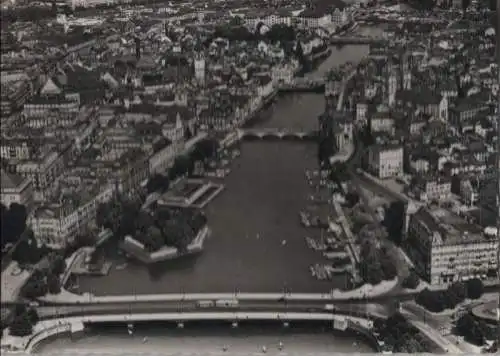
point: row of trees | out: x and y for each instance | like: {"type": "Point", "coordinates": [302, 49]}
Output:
{"type": "Point", "coordinates": [400, 335]}
{"type": "Point", "coordinates": [23, 321]}
{"type": "Point", "coordinates": [437, 301]}
{"type": "Point", "coordinates": [475, 331]}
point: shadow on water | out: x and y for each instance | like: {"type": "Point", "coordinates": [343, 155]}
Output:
{"type": "Point", "coordinates": [215, 328]}
{"type": "Point", "coordinates": [157, 270]}
{"type": "Point", "coordinates": [112, 252]}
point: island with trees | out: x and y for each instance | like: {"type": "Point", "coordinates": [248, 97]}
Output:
{"type": "Point", "coordinates": [165, 234]}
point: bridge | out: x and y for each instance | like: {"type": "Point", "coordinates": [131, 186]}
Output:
{"type": "Point", "coordinates": [74, 324]}
{"type": "Point", "coordinates": [302, 84]}
{"type": "Point", "coordinates": [64, 319]}
{"type": "Point", "coordinates": [281, 134]}
{"type": "Point", "coordinates": [360, 40]}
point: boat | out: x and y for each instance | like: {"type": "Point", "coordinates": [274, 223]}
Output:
{"type": "Point", "coordinates": [130, 328]}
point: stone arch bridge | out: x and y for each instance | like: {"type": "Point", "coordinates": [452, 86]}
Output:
{"type": "Point", "coordinates": [277, 134]}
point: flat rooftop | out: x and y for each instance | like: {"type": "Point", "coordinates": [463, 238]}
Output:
{"type": "Point", "coordinates": [454, 228]}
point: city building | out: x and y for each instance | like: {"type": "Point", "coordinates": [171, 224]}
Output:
{"type": "Point", "coordinates": [429, 188]}
{"type": "Point", "coordinates": [314, 19]}
{"type": "Point", "coordinates": [386, 161]}
{"type": "Point", "coordinates": [42, 169]}
{"type": "Point", "coordinates": [15, 189]}
{"type": "Point", "coordinates": [341, 15]}
{"type": "Point", "coordinates": [446, 248]}
{"type": "Point", "coordinates": [58, 222]}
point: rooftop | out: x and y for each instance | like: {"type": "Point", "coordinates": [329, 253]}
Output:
{"type": "Point", "coordinates": [453, 229]}
{"type": "Point", "coordinates": [10, 181]}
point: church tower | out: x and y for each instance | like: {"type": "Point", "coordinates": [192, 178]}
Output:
{"type": "Point", "coordinates": [199, 68]}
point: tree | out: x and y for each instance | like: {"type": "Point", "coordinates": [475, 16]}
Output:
{"type": "Point", "coordinates": [32, 316]}
{"type": "Point", "coordinates": [236, 21]}
{"type": "Point", "coordinates": [352, 199]}
{"type": "Point", "coordinates": [458, 291]}
{"type": "Point", "coordinates": [187, 133]}
{"type": "Point", "coordinates": [27, 250]}
{"type": "Point", "coordinates": [53, 284]}
{"type": "Point", "coordinates": [411, 281]}
{"type": "Point", "coordinates": [475, 288]}
{"type": "Point", "coordinates": [326, 149]}
{"type": "Point", "coordinates": [13, 222]}
{"type": "Point", "coordinates": [20, 326]}
{"type": "Point", "coordinates": [396, 325]}
{"type": "Point", "coordinates": [299, 52]}
{"type": "Point", "coordinates": [58, 265]}
{"type": "Point", "coordinates": [281, 33]}
{"type": "Point", "coordinates": [19, 310]}
{"type": "Point", "coordinates": [4, 230]}
{"type": "Point", "coordinates": [18, 215]}
{"type": "Point", "coordinates": [339, 172]}
{"type": "Point", "coordinates": [127, 221]}
{"type": "Point", "coordinates": [143, 222]}
{"type": "Point", "coordinates": [182, 166]}
{"type": "Point", "coordinates": [206, 148]}
{"type": "Point", "coordinates": [370, 267]}
{"type": "Point", "coordinates": [388, 266]}
{"type": "Point", "coordinates": [468, 327]}
{"type": "Point", "coordinates": [174, 235]}
{"type": "Point", "coordinates": [35, 288]}
{"type": "Point", "coordinates": [153, 239]}
{"type": "Point", "coordinates": [432, 301]}
{"type": "Point", "coordinates": [157, 183]}
{"type": "Point", "coordinates": [103, 215]}
{"type": "Point", "coordinates": [394, 221]}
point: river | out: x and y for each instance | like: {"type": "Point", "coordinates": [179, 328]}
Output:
{"type": "Point", "coordinates": [299, 340]}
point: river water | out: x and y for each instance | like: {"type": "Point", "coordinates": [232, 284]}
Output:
{"type": "Point", "coordinates": [256, 212]}
{"type": "Point", "coordinates": [245, 340]}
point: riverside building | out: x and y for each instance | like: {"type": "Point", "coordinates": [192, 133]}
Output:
{"type": "Point", "coordinates": [446, 248]}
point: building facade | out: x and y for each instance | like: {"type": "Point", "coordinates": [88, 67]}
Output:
{"type": "Point", "coordinates": [445, 248]}
{"type": "Point", "coordinates": [386, 161]}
